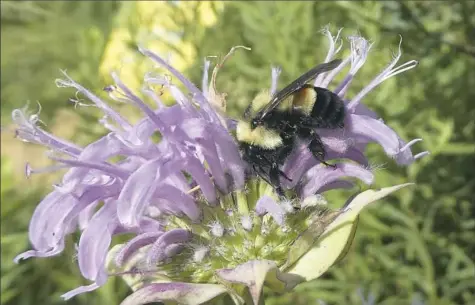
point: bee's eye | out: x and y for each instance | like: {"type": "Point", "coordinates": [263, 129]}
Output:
{"type": "Point", "coordinates": [254, 123]}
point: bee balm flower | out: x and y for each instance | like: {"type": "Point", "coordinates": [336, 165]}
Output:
{"type": "Point", "coordinates": [202, 225]}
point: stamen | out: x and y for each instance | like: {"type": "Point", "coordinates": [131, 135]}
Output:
{"type": "Point", "coordinates": [105, 122]}
{"type": "Point", "coordinates": [409, 144]}
{"type": "Point", "coordinates": [77, 102]}
{"type": "Point", "coordinates": [193, 189]}
{"type": "Point", "coordinates": [109, 88]}
{"type": "Point", "coordinates": [181, 99]}
{"type": "Point", "coordinates": [331, 75]}
{"type": "Point", "coordinates": [216, 99]}
{"type": "Point", "coordinates": [95, 99]}
{"type": "Point", "coordinates": [331, 50]}
{"type": "Point", "coordinates": [402, 68]}
{"type": "Point", "coordinates": [154, 97]}
{"type": "Point", "coordinates": [109, 169]}
{"type": "Point", "coordinates": [220, 64]}
{"type": "Point", "coordinates": [333, 40]}
{"type": "Point", "coordinates": [117, 95]}
{"type": "Point", "coordinates": [34, 118]}
{"type": "Point", "coordinates": [29, 132]}
{"type": "Point", "coordinates": [275, 77]}
{"type": "Point", "coordinates": [19, 117]}
{"type": "Point", "coordinates": [204, 82]}
{"type": "Point", "coordinates": [162, 80]}
{"type": "Point", "coordinates": [384, 75]}
{"type": "Point", "coordinates": [360, 48]}
{"type": "Point", "coordinates": [29, 171]}
{"type": "Point", "coordinates": [422, 154]}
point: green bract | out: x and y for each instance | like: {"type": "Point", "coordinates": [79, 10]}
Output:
{"type": "Point", "coordinates": [240, 265]}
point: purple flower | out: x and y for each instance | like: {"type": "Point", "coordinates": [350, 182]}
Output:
{"type": "Point", "coordinates": [202, 226]}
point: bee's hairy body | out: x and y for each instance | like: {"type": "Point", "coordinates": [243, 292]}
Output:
{"type": "Point", "coordinates": [292, 114]}
{"type": "Point", "coordinates": [310, 107]}
{"type": "Point", "coordinates": [265, 149]}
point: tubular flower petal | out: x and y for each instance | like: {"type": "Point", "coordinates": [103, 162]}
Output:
{"type": "Point", "coordinates": [175, 293]}
{"type": "Point", "coordinates": [202, 226]}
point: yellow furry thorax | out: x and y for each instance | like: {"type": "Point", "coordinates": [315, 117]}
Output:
{"type": "Point", "coordinates": [260, 136]}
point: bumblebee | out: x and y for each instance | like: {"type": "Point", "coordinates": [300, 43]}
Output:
{"type": "Point", "coordinates": [272, 125]}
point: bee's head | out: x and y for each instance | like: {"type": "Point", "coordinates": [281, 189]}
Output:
{"type": "Point", "coordinates": [255, 123]}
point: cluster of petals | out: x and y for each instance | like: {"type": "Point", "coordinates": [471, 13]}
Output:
{"type": "Point", "coordinates": [102, 198]}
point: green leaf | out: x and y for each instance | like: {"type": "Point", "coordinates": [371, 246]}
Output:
{"type": "Point", "coordinates": [334, 240]}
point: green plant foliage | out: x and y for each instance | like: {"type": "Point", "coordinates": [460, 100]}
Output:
{"type": "Point", "coordinates": [40, 38]}
{"type": "Point", "coordinates": [419, 242]}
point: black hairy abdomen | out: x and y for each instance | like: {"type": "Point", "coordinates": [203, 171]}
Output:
{"type": "Point", "coordinates": [328, 110]}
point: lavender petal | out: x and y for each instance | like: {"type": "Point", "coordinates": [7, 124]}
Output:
{"type": "Point", "coordinates": [266, 204]}
{"type": "Point", "coordinates": [135, 244]}
{"type": "Point", "coordinates": [157, 251]}
{"type": "Point", "coordinates": [178, 293]}
{"type": "Point", "coordinates": [137, 192]}
{"type": "Point", "coordinates": [320, 175]}
{"type": "Point", "coordinates": [376, 131]}
{"type": "Point", "coordinates": [182, 202]}
{"type": "Point", "coordinates": [95, 242]}
{"type": "Point", "coordinates": [82, 289]}
{"type": "Point", "coordinates": [53, 204]}
{"type": "Point", "coordinates": [200, 175]}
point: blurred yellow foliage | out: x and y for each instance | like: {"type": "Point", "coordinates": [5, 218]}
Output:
{"type": "Point", "coordinates": [159, 33]}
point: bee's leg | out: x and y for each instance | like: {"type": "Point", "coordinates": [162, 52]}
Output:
{"type": "Point", "coordinates": [283, 154]}
{"type": "Point", "coordinates": [284, 175]}
{"type": "Point", "coordinates": [274, 175]}
{"type": "Point", "coordinates": [274, 171]}
{"type": "Point", "coordinates": [318, 150]}
{"type": "Point", "coordinates": [262, 173]}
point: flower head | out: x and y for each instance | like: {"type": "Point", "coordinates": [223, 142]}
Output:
{"type": "Point", "coordinates": [203, 226]}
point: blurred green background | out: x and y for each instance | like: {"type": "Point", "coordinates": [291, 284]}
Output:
{"type": "Point", "coordinates": [418, 243]}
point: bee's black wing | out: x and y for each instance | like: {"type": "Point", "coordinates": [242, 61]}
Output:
{"type": "Point", "coordinates": [296, 85]}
